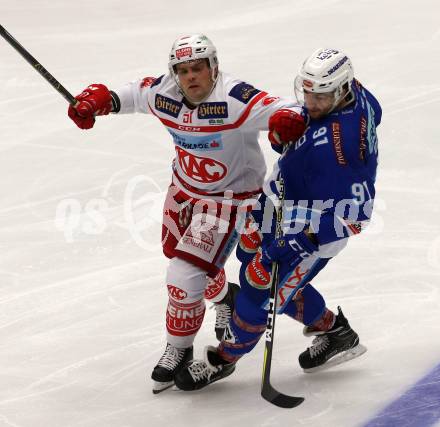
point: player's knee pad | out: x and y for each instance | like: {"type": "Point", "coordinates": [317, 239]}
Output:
{"type": "Point", "coordinates": [185, 281]}
{"type": "Point", "coordinates": [307, 306]}
{"type": "Point", "coordinates": [186, 306]}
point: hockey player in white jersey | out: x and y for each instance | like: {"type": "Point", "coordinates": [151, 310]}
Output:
{"type": "Point", "coordinates": [214, 122]}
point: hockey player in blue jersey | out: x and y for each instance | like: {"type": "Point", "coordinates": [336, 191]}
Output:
{"type": "Point", "coordinates": [328, 175]}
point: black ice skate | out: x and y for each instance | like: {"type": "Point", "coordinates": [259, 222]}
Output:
{"type": "Point", "coordinates": [338, 345]}
{"type": "Point", "coordinates": [199, 373]}
{"type": "Point", "coordinates": [224, 310]}
{"type": "Point", "coordinates": [171, 362]}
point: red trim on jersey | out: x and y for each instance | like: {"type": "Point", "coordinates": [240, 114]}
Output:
{"type": "Point", "coordinates": [236, 124]}
{"type": "Point", "coordinates": [353, 229]}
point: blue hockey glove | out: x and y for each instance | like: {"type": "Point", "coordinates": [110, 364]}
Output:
{"type": "Point", "coordinates": [287, 250]}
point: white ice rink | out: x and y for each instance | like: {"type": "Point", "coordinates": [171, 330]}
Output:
{"type": "Point", "coordinates": [82, 295]}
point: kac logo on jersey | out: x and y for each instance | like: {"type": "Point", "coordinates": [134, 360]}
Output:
{"type": "Point", "coordinates": [213, 110]}
{"type": "Point", "coordinates": [200, 169]}
{"type": "Point", "coordinates": [243, 92]}
{"type": "Point", "coordinates": [202, 143]}
{"type": "Point", "coordinates": [167, 105]}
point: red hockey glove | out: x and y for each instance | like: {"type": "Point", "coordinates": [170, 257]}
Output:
{"type": "Point", "coordinates": [94, 101]}
{"type": "Point", "coordinates": [285, 126]}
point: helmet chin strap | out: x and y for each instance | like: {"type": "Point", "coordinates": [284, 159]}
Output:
{"type": "Point", "coordinates": [335, 104]}
{"type": "Point", "coordinates": [340, 101]}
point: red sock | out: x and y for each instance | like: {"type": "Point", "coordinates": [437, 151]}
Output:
{"type": "Point", "coordinates": [326, 321]}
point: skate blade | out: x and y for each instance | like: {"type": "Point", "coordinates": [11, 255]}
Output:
{"type": "Point", "coordinates": [343, 357]}
{"type": "Point", "coordinates": [158, 386]}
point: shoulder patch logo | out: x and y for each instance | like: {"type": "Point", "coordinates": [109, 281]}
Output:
{"type": "Point", "coordinates": [157, 81]}
{"type": "Point", "coordinates": [147, 81]}
{"type": "Point", "coordinates": [243, 92]}
{"type": "Point", "coordinates": [167, 105]}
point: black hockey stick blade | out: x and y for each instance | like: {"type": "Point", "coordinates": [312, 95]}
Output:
{"type": "Point", "coordinates": [279, 399]}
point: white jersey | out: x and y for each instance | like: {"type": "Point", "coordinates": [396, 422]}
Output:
{"type": "Point", "coordinates": [216, 143]}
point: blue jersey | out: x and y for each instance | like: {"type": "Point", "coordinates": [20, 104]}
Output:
{"type": "Point", "coordinates": [329, 173]}
{"type": "Point", "coordinates": [329, 176]}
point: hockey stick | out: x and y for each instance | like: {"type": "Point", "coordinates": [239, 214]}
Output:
{"type": "Point", "coordinates": [35, 64]}
{"type": "Point", "coordinates": [267, 391]}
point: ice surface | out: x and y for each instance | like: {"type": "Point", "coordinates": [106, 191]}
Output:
{"type": "Point", "coordinates": [82, 298]}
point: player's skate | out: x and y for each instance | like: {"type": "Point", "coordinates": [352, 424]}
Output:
{"type": "Point", "coordinates": [224, 310]}
{"type": "Point", "coordinates": [169, 364]}
{"type": "Point", "coordinates": [199, 373]}
{"type": "Point", "coordinates": [339, 344]}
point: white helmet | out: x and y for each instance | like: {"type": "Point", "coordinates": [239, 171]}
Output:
{"type": "Point", "coordinates": [191, 48]}
{"type": "Point", "coordinates": [325, 71]}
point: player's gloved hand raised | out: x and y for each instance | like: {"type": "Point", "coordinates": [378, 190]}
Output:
{"type": "Point", "coordinates": [285, 126]}
{"type": "Point", "coordinates": [95, 100]}
{"type": "Point", "coordinates": [287, 250]}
